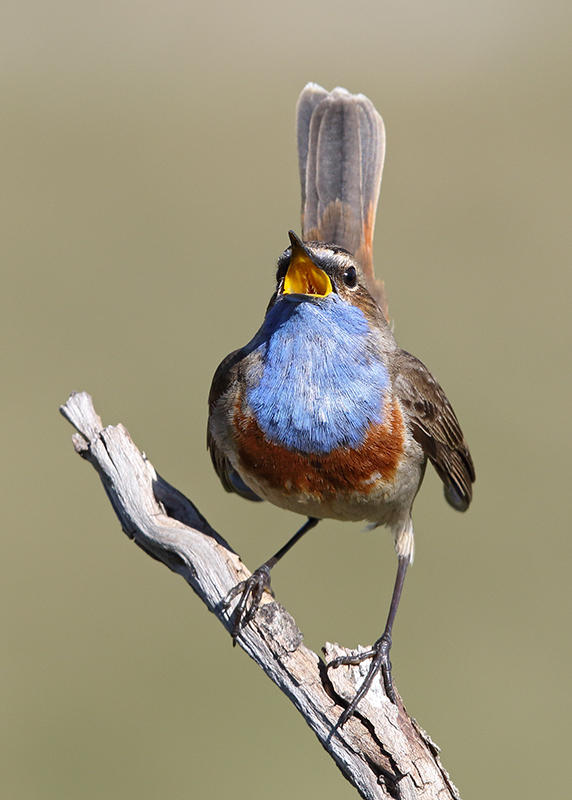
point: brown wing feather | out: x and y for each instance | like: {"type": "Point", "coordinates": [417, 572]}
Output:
{"type": "Point", "coordinates": [436, 428]}
{"type": "Point", "coordinates": [224, 377]}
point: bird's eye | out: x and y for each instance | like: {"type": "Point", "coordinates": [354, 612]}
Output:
{"type": "Point", "coordinates": [350, 277]}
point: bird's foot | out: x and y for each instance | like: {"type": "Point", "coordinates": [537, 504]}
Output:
{"type": "Point", "coordinates": [379, 654]}
{"type": "Point", "coordinates": [251, 591]}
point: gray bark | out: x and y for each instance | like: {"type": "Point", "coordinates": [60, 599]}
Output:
{"type": "Point", "coordinates": [381, 750]}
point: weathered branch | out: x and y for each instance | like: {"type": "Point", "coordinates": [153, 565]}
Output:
{"type": "Point", "coordinates": [381, 750]}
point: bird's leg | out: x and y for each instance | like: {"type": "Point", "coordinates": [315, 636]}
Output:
{"type": "Point", "coordinates": [252, 588]}
{"type": "Point", "coordinates": [379, 652]}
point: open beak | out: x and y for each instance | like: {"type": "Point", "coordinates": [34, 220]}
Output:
{"type": "Point", "coordinates": [303, 276]}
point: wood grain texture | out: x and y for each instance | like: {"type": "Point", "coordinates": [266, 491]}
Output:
{"type": "Point", "coordinates": [381, 751]}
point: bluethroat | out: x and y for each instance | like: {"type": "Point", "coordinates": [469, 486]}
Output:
{"type": "Point", "coordinates": [322, 413]}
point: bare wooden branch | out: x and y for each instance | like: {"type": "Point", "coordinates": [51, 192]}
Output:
{"type": "Point", "coordinates": [381, 750]}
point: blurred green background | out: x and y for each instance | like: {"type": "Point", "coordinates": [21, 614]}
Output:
{"type": "Point", "coordinates": [149, 178]}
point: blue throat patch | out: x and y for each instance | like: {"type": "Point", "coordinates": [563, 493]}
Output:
{"type": "Point", "coordinates": [321, 386]}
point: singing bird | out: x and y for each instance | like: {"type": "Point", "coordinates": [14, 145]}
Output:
{"type": "Point", "coordinates": [322, 413]}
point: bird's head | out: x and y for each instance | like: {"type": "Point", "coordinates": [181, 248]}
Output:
{"type": "Point", "coordinates": [317, 271]}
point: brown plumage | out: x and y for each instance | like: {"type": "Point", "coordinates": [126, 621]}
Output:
{"type": "Point", "coordinates": [434, 425]}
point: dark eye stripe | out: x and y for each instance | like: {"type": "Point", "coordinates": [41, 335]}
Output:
{"type": "Point", "coordinates": [282, 267]}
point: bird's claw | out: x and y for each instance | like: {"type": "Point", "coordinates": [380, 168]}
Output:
{"type": "Point", "coordinates": [250, 591]}
{"type": "Point", "coordinates": [379, 654]}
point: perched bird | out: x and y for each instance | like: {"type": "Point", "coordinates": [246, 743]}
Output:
{"type": "Point", "coordinates": [321, 412]}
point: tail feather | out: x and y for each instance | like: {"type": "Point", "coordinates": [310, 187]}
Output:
{"type": "Point", "coordinates": [341, 148]}
{"type": "Point", "coordinates": [311, 96]}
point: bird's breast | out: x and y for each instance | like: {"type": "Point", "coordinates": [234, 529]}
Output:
{"type": "Point", "coordinates": [322, 381]}
{"type": "Point", "coordinates": [315, 424]}
{"type": "Point", "coordinates": [340, 475]}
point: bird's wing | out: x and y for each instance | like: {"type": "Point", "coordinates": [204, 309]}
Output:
{"type": "Point", "coordinates": [435, 427]}
{"type": "Point", "coordinates": [224, 379]}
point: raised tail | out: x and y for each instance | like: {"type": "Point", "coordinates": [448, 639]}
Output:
{"type": "Point", "coordinates": [341, 149]}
